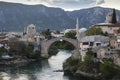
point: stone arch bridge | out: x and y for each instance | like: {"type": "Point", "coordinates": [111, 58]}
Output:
{"type": "Point", "coordinates": [45, 44]}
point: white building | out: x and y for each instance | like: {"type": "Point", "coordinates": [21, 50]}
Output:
{"type": "Point", "coordinates": [117, 42]}
{"type": "Point", "coordinates": [56, 34]}
{"type": "Point", "coordinates": [89, 42]}
{"type": "Point", "coordinates": [81, 30]}
{"type": "Point", "coordinates": [69, 30]}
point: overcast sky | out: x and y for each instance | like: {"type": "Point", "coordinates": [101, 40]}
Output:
{"type": "Point", "coordinates": [71, 4]}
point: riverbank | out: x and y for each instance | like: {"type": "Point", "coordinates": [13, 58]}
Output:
{"type": "Point", "coordinates": [38, 70]}
{"type": "Point", "coordinates": [15, 61]}
{"type": "Point", "coordinates": [90, 68]}
{"type": "Point", "coordinates": [74, 67]}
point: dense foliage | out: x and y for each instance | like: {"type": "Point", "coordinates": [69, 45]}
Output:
{"type": "Point", "coordinates": [57, 31]}
{"type": "Point", "coordinates": [1, 78]}
{"type": "Point", "coordinates": [105, 70]}
{"type": "Point", "coordinates": [21, 49]}
{"type": "Point", "coordinates": [71, 34]}
{"type": "Point", "coordinates": [2, 51]}
{"type": "Point", "coordinates": [72, 65]}
{"type": "Point", "coordinates": [89, 65]}
{"type": "Point", "coordinates": [46, 33]}
{"type": "Point", "coordinates": [94, 31]}
{"type": "Point", "coordinates": [110, 71]}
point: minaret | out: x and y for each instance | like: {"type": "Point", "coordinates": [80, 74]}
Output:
{"type": "Point", "coordinates": [77, 30]}
{"type": "Point", "coordinates": [24, 29]}
{"type": "Point", "coordinates": [78, 38]}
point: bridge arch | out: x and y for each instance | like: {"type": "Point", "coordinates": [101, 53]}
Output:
{"type": "Point", "coordinates": [45, 45]}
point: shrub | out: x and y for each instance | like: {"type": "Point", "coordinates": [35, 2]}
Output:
{"type": "Point", "coordinates": [110, 71]}
{"type": "Point", "coordinates": [71, 34]}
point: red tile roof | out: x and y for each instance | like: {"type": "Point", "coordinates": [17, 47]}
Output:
{"type": "Point", "coordinates": [115, 25]}
{"type": "Point", "coordinates": [2, 34]}
{"type": "Point", "coordinates": [4, 42]}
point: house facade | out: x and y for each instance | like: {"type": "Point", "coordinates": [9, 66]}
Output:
{"type": "Point", "coordinates": [91, 43]}
{"type": "Point", "coordinates": [111, 25]}
{"type": "Point", "coordinates": [109, 28]}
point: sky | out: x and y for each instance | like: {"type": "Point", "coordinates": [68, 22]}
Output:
{"type": "Point", "coordinates": [71, 4]}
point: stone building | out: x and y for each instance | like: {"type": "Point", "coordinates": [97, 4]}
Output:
{"type": "Point", "coordinates": [89, 42]}
{"type": "Point", "coordinates": [109, 26]}
{"type": "Point", "coordinates": [31, 35]}
{"type": "Point", "coordinates": [93, 43]}
{"type": "Point", "coordinates": [31, 29]}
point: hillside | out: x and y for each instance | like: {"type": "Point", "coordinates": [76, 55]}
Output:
{"type": "Point", "coordinates": [14, 17]}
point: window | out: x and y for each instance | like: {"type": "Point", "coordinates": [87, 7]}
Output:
{"type": "Point", "coordinates": [95, 55]}
{"type": "Point", "coordinates": [110, 28]}
{"type": "Point", "coordinates": [98, 44]}
{"type": "Point", "coordinates": [91, 43]}
{"type": "Point", "coordinates": [32, 27]}
{"type": "Point", "coordinates": [85, 43]}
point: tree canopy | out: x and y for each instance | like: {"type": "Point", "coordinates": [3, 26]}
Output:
{"type": "Point", "coordinates": [94, 31]}
{"type": "Point", "coordinates": [71, 34]}
{"type": "Point", "coordinates": [110, 71]}
{"type": "Point", "coordinates": [46, 33]}
{"type": "Point", "coordinates": [114, 20]}
{"type": "Point", "coordinates": [2, 51]}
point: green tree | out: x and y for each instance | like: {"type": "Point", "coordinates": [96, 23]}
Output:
{"type": "Point", "coordinates": [1, 78]}
{"type": "Point", "coordinates": [17, 47]}
{"type": "Point", "coordinates": [46, 33]}
{"type": "Point", "coordinates": [28, 50]}
{"type": "Point", "coordinates": [105, 34]}
{"type": "Point", "coordinates": [94, 31]}
{"type": "Point", "coordinates": [60, 45]}
{"type": "Point", "coordinates": [110, 71]}
{"type": "Point", "coordinates": [2, 50]}
{"type": "Point", "coordinates": [21, 49]}
{"type": "Point", "coordinates": [57, 31]}
{"type": "Point", "coordinates": [71, 34]}
{"type": "Point", "coordinates": [114, 20]}
{"type": "Point", "coordinates": [88, 63]}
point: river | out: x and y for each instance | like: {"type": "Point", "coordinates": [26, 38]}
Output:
{"type": "Point", "coordinates": [38, 70]}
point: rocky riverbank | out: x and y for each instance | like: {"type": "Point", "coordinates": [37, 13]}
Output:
{"type": "Point", "coordinates": [90, 68]}
{"type": "Point", "coordinates": [15, 61]}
